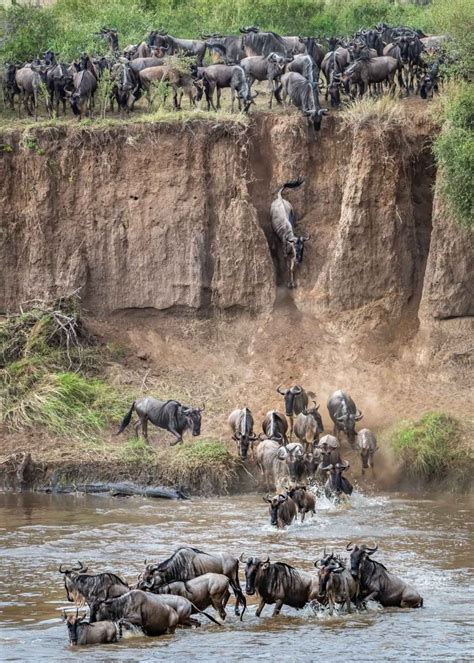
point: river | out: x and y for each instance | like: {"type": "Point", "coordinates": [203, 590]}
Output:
{"type": "Point", "coordinates": [426, 541]}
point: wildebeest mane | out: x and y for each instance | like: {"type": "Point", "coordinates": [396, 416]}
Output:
{"type": "Point", "coordinates": [279, 573]}
{"type": "Point", "coordinates": [180, 565]}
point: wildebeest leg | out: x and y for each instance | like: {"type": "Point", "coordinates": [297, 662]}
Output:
{"type": "Point", "coordinates": [138, 425]}
{"type": "Point", "coordinates": [178, 437]}
{"type": "Point", "coordinates": [261, 606]}
{"type": "Point", "coordinates": [278, 607]}
{"type": "Point", "coordinates": [219, 608]}
{"type": "Point", "coordinates": [303, 514]}
{"type": "Point", "coordinates": [218, 94]}
{"type": "Point", "coordinates": [232, 97]}
{"type": "Point", "coordinates": [270, 84]}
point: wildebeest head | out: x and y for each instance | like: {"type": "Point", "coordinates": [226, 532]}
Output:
{"type": "Point", "coordinates": [150, 577]}
{"type": "Point", "coordinates": [73, 623]}
{"type": "Point", "coordinates": [253, 566]}
{"type": "Point", "coordinates": [313, 412]}
{"type": "Point", "coordinates": [289, 397]}
{"type": "Point", "coordinates": [193, 417]}
{"type": "Point", "coordinates": [316, 116]}
{"type": "Point", "coordinates": [347, 420]}
{"type": "Point", "coordinates": [72, 593]}
{"type": "Point", "coordinates": [336, 475]}
{"type": "Point", "coordinates": [245, 435]}
{"type": "Point", "coordinates": [298, 245]}
{"type": "Point", "coordinates": [295, 460]}
{"type": "Point", "coordinates": [327, 565]}
{"type": "Point", "coordinates": [275, 504]}
{"type": "Point", "coordinates": [297, 494]}
{"type": "Point", "coordinates": [358, 555]}
{"type": "Point", "coordinates": [49, 57]}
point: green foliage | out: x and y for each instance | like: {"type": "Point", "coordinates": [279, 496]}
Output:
{"type": "Point", "coordinates": [454, 151]}
{"type": "Point", "coordinates": [435, 448]}
{"type": "Point", "coordinates": [456, 20]}
{"type": "Point", "coordinates": [204, 463]}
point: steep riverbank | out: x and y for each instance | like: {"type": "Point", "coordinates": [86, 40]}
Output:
{"type": "Point", "coordinates": [165, 231]}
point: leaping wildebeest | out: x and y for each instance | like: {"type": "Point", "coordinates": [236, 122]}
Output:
{"type": "Point", "coordinates": [187, 563]}
{"type": "Point", "coordinates": [308, 425]}
{"type": "Point", "coordinates": [283, 225]}
{"type": "Point", "coordinates": [296, 401]}
{"type": "Point", "coordinates": [304, 500]}
{"type": "Point", "coordinates": [344, 415]}
{"type": "Point", "coordinates": [366, 444]}
{"type": "Point", "coordinates": [241, 425]}
{"type": "Point", "coordinates": [270, 458]}
{"type": "Point", "coordinates": [337, 485]}
{"type": "Point", "coordinates": [170, 415]}
{"type": "Point", "coordinates": [376, 583]}
{"type": "Point", "coordinates": [278, 584]}
{"type": "Point", "coordinates": [275, 426]}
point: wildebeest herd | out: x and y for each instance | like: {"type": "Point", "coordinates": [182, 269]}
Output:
{"type": "Point", "coordinates": [168, 594]}
{"type": "Point", "coordinates": [372, 61]}
{"type": "Point", "coordinates": [297, 470]}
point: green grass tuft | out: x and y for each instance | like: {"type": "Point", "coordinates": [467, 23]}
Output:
{"type": "Point", "coordinates": [437, 447]}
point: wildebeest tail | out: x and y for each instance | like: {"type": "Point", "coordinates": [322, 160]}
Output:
{"type": "Point", "coordinates": [206, 614]}
{"type": "Point", "coordinates": [126, 420]}
{"type": "Point", "coordinates": [235, 584]}
{"type": "Point", "coordinates": [279, 100]}
{"type": "Point", "coordinates": [292, 184]}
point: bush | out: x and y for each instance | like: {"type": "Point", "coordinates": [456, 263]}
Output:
{"type": "Point", "coordinates": [454, 151]}
{"type": "Point", "coordinates": [437, 447]}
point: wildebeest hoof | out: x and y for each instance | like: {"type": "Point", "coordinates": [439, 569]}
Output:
{"type": "Point", "coordinates": [177, 441]}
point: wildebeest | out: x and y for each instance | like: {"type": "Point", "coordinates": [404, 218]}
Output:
{"type": "Point", "coordinates": [278, 584]}
{"type": "Point", "coordinates": [58, 79]}
{"type": "Point", "coordinates": [180, 82]}
{"type": "Point", "coordinates": [344, 414]}
{"type": "Point", "coordinates": [111, 37]}
{"type": "Point", "coordinates": [305, 96]}
{"type": "Point", "coordinates": [210, 589]}
{"type": "Point", "coordinates": [374, 70]}
{"type": "Point", "coordinates": [270, 458]}
{"type": "Point", "coordinates": [82, 587]}
{"type": "Point", "coordinates": [256, 42]}
{"type": "Point", "coordinates": [314, 49]}
{"type": "Point", "coordinates": [366, 444]}
{"type": "Point", "coordinates": [219, 76]}
{"type": "Point", "coordinates": [308, 425]}
{"type": "Point", "coordinates": [330, 450]}
{"type": "Point", "coordinates": [170, 415]}
{"type": "Point", "coordinates": [173, 45]}
{"type": "Point", "coordinates": [303, 64]}
{"type": "Point", "coordinates": [295, 397]}
{"type": "Point", "coordinates": [187, 563]}
{"type": "Point", "coordinates": [275, 426]}
{"type": "Point", "coordinates": [241, 425]}
{"type": "Point", "coordinates": [312, 461]}
{"type": "Point", "coordinates": [265, 68]}
{"type": "Point", "coordinates": [126, 87]}
{"type": "Point", "coordinates": [336, 584]}
{"type": "Point", "coordinates": [376, 583]}
{"type": "Point", "coordinates": [332, 66]}
{"type": "Point", "coordinates": [82, 632]}
{"type": "Point", "coordinates": [282, 510]}
{"type": "Point", "coordinates": [283, 225]}
{"type": "Point", "coordinates": [9, 86]}
{"type": "Point", "coordinates": [82, 98]}
{"type": "Point", "coordinates": [184, 608]}
{"type": "Point", "coordinates": [29, 80]}
{"type": "Point", "coordinates": [295, 460]}
{"type": "Point", "coordinates": [139, 64]}
{"type": "Point", "coordinates": [141, 609]}
{"type": "Point", "coordinates": [231, 46]}
{"type": "Point", "coordinates": [304, 500]}
{"type": "Point", "coordinates": [336, 484]}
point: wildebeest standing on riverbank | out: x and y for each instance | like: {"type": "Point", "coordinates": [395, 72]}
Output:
{"type": "Point", "coordinates": [170, 415]}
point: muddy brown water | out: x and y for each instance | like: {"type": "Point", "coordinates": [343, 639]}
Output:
{"type": "Point", "coordinates": [426, 541]}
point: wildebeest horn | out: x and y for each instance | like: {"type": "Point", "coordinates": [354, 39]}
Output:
{"type": "Point", "coordinates": [81, 567]}
{"type": "Point", "coordinates": [370, 551]}
{"type": "Point", "coordinates": [61, 569]}
{"type": "Point", "coordinates": [280, 391]}
{"type": "Point", "coordinates": [265, 561]}
{"type": "Point", "coordinates": [317, 563]}
{"type": "Point", "coordinates": [252, 437]}
{"type": "Point", "coordinates": [350, 546]}
{"type": "Point", "coordinates": [241, 558]}
{"type": "Point", "coordinates": [267, 498]}
{"type": "Point", "coordinates": [307, 238]}
{"type": "Point", "coordinates": [328, 467]}
{"type": "Point", "coordinates": [358, 415]}
{"type": "Point", "coordinates": [297, 389]}
{"type": "Point", "coordinates": [201, 409]}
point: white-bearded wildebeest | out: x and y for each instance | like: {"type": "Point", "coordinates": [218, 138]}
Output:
{"type": "Point", "coordinates": [230, 46]}
{"type": "Point", "coordinates": [179, 81]}
{"type": "Point", "coordinates": [82, 99]}
{"type": "Point", "coordinates": [219, 76]}
{"type": "Point", "coordinates": [170, 415]}
{"type": "Point", "coordinates": [283, 225]}
{"type": "Point", "coordinates": [270, 458]}
{"type": "Point", "coordinates": [314, 49]}
{"type": "Point", "coordinates": [58, 80]}
{"type": "Point", "coordinates": [210, 589]}
{"type": "Point", "coordinates": [303, 64]}
{"type": "Point", "coordinates": [141, 609]}
{"type": "Point", "coordinates": [187, 563]}
{"type": "Point", "coordinates": [82, 587]}
{"type": "Point", "coordinates": [344, 415]}
{"type": "Point", "coordinates": [82, 632]}
{"type": "Point", "coordinates": [366, 444]}
{"type": "Point", "coordinates": [377, 584]}
{"type": "Point", "coordinates": [307, 427]}
{"type": "Point", "coordinates": [265, 68]}
{"type": "Point", "coordinates": [296, 398]}
{"type": "Point", "coordinates": [255, 42]}
{"type": "Point", "coordinates": [332, 66]}
{"type": "Point", "coordinates": [126, 86]}
{"type": "Point", "coordinates": [336, 484]}
{"type": "Point", "coordinates": [241, 425]}
{"type": "Point", "coordinates": [295, 460]}
{"type": "Point", "coordinates": [173, 46]}
{"type": "Point", "coordinates": [275, 426]}
{"type": "Point", "coordinates": [304, 500]}
{"type": "Point", "coordinates": [278, 584]}
{"type": "Point", "coordinates": [111, 37]}
{"type": "Point", "coordinates": [312, 461]}
{"type": "Point", "coordinates": [28, 79]}
{"type": "Point", "coordinates": [304, 95]}
{"type": "Point", "coordinates": [376, 70]}
{"type": "Point", "coordinates": [9, 86]}
{"type": "Point", "coordinates": [336, 584]}
{"type": "Point", "coordinates": [282, 510]}
{"type": "Point", "coordinates": [184, 608]}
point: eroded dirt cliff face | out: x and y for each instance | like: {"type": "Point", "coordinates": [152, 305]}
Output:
{"type": "Point", "coordinates": [157, 222]}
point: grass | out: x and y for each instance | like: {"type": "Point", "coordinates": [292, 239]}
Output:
{"type": "Point", "coordinates": [436, 448]}
{"type": "Point", "coordinates": [384, 111]}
